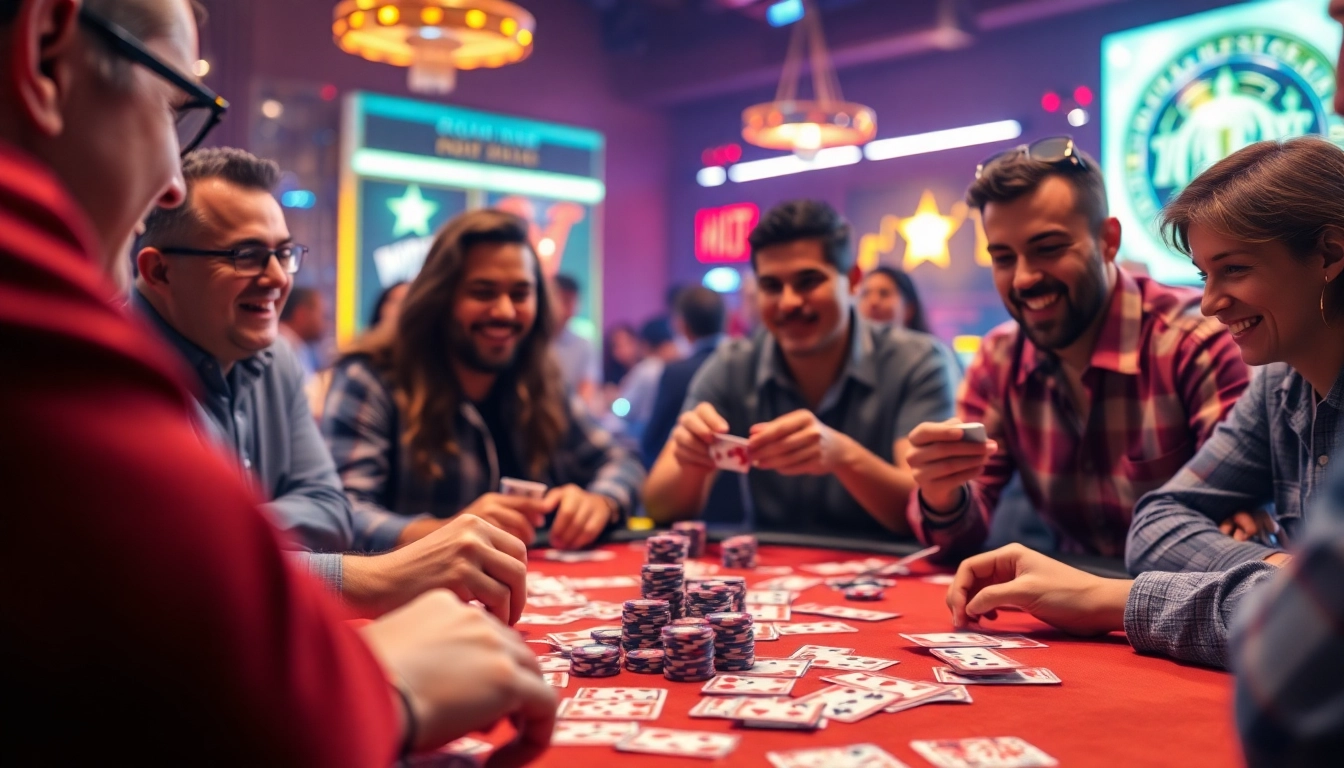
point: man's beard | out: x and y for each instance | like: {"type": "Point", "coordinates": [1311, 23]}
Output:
{"type": "Point", "coordinates": [1078, 314]}
{"type": "Point", "coordinates": [466, 352]}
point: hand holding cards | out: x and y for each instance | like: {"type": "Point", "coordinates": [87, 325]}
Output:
{"type": "Point", "coordinates": [730, 453]}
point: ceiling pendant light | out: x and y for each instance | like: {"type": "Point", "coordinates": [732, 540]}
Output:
{"type": "Point", "coordinates": [434, 38]}
{"type": "Point", "coordinates": [801, 126]}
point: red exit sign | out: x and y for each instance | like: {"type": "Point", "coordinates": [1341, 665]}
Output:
{"type": "Point", "coordinates": [721, 233]}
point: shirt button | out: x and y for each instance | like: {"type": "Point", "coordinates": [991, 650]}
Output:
{"type": "Point", "coordinates": [1323, 459]}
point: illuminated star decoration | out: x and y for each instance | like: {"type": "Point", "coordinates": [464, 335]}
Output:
{"type": "Point", "coordinates": [413, 212]}
{"type": "Point", "coordinates": [927, 232]}
{"type": "Point", "coordinates": [982, 256]}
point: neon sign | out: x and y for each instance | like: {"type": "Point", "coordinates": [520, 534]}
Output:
{"type": "Point", "coordinates": [721, 233]}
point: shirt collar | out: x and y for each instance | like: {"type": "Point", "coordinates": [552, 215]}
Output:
{"type": "Point", "coordinates": [707, 344]}
{"type": "Point", "coordinates": [1118, 341]}
{"type": "Point", "coordinates": [859, 366]}
{"type": "Point", "coordinates": [204, 364]}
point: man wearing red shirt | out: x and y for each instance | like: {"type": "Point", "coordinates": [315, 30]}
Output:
{"type": "Point", "coordinates": [149, 611]}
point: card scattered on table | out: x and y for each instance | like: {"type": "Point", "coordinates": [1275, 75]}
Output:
{"type": "Point", "coordinates": [622, 694]}
{"type": "Point", "coordinates": [666, 741]}
{"type": "Point", "coordinates": [794, 666]}
{"type": "Point", "coordinates": [604, 709]}
{"type": "Point", "coordinates": [598, 582]}
{"type": "Point", "coordinates": [765, 632]}
{"type": "Point", "coordinates": [787, 583]}
{"type": "Point", "coordinates": [1012, 642]}
{"type": "Point", "coordinates": [976, 661]}
{"type": "Point", "coordinates": [844, 612]}
{"type": "Point", "coordinates": [911, 693]}
{"type": "Point", "coordinates": [590, 733]}
{"type": "Point", "coordinates": [844, 568]}
{"type": "Point", "coordinates": [1003, 752]}
{"type": "Point", "coordinates": [553, 663]}
{"type": "Point", "coordinates": [769, 597]}
{"type": "Point", "coordinates": [764, 612]}
{"type": "Point", "coordinates": [825, 658]}
{"type": "Point", "coordinates": [736, 685]}
{"type": "Point", "coordinates": [556, 679]}
{"type": "Point", "coordinates": [780, 713]}
{"type": "Point", "coordinates": [585, 556]}
{"type": "Point", "coordinates": [815, 628]}
{"type": "Point", "coordinates": [1023, 676]}
{"type": "Point", "coordinates": [855, 756]}
{"type": "Point", "coordinates": [716, 706]}
{"type": "Point", "coordinates": [952, 640]}
{"type": "Point", "coordinates": [848, 704]}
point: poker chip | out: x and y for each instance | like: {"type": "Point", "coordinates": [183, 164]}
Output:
{"type": "Point", "coordinates": [690, 621]}
{"type": "Point", "coordinates": [645, 660]}
{"type": "Point", "coordinates": [594, 660]}
{"type": "Point", "coordinates": [709, 597]}
{"type": "Point", "coordinates": [664, 581]}
{"type": "Point", "coordinates": [864, 592]}
{"type": "Point", "coordinates": [666, 548]}
{"type": "Point", "coordinates": [688, 653]}
{"type": "Point", "coordinates": [739, 590]}
{"type": "Point", "coordinates": [696, 533]}
{"type": "Point", "coordinates": [734, 641]}
{"type": "Point", "coordinates": [641, 622]}
{"type": "Point", "coordinates": [607, 636]}
{"type": "Point", "coordinates": [739, 552]}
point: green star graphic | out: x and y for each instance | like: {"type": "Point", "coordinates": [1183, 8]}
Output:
{"type": "Point", "coordinates": [413, 212]}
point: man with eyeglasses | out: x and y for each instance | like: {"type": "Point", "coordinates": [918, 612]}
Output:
{"type": "Point", "coordinates": [150, 611]}
{"type": "Point", "coordinates": [1098, 390]}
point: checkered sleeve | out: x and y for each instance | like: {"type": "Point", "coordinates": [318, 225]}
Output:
{"type": "Point", "coordinates": [1288, 651]}
{"type": "Point", "coordinates": [358, 423]}
{"type": "Point", "coordinates": [1187, 615]}
{"type": "Point", "coordinates": [1175, 528]}
{"type": "Point", "coordinates": [1210, 377]}
{"type": "Point", "coordinates": [593, 459]}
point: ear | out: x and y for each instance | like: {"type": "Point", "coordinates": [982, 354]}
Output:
{"type": "Point", "coordinates": [1332, 252]}
{"type": "Point", "coordinates": [1110, 239]}
{"type": "Point", "coordinates": [46, 33]}
{"type": "Point", "coordinates": [855, 276]}
{"type": "Point", "coordinates": [152, 266]}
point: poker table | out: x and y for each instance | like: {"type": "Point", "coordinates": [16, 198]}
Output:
{"type": "Point", "coordinates": [1114, 707]}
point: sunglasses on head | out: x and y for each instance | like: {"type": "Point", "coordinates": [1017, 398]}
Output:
{"type": "Point", "coordinates": [1059, 151]}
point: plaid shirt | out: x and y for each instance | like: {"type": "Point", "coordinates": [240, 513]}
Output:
{"type": "Point", "coordinates": [1160, 379]}
{"type": "Point", "coordinates": [1274, 447]}
{"type": "Point", "coordinates": [1288, 650]}
{"type": "Point", "coordinates": [362, 425]}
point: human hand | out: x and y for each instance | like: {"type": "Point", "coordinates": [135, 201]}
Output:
{"type": "Point", "coordinates": [694, 434]}
{"type": "Point", "coordinates": [797, 444]}
{"type": "Point", "coordinates": [519, 515]}
{"type": "Point", "coordinates": [1013, 576]}
{"type": "Point", "coordinates": [1245, 526]}
{"type": "Point", "coordinates": [464, 671]}
{"type": "Point", "coordinates": [467, 556]}
{"type": "Point", "coordinates": [942, 463]}
{"type": "Point", "coordinates": [580, 516]}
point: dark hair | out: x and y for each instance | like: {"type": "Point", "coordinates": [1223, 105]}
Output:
{"type": "Point", "coordinates": [614, 370]}
{"type": "Point", "coordinates": [701, 311]}
{"type": "Point", "coordinates": [656, 332]}
{"type": "Point", "coordinates": [380, 306]}
{"type": "Point", "coordinates": [1016, 174]}
{"type": "Point", "coordinates": [914, 319]}
{"type": "Point", "coordinates": [566, 284]}
{"type": "Point", "coordinates": [804, 220]}
{"type": "Point", "coordinates": [167, 227]}
{"type": "Point", "coordinates": [138, 18]}
{"type": "Point", "coordinates": [299, 296]}
{"type": "Point", "coordinates": [670, 297]}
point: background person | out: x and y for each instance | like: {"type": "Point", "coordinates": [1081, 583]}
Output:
{"type": "Point", "coordinates": [303, 323]}
{"type": "Point", "coordinates": [578, 359]}
{"type": "Point", "coordinates": [887, 296]}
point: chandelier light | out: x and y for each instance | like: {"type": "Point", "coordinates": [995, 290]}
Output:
{"type": "Point", "coordinates": [434, 38]}
{"type": "Point", "coordinates": [802, 126]}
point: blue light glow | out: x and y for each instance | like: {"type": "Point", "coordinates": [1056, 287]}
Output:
{"type": "Point", "coordinates": [298, 198]}
{"type": "Point", "coordinates": [784, 13]}
{"type": "Point", "coordinates": [621, 407]}
{"type": "Point", "coordinates": [723, 280]}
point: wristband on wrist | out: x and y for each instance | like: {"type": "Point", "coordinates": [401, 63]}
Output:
{"type": "Point", "coordinates": [408, 739]}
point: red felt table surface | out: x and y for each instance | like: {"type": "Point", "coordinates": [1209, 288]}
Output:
{"type": "Point", "coordinates": [1114, 708]}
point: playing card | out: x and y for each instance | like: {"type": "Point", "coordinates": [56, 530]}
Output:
{"type": "Point", "coordinates": [538, 584]}
{"type": "Point", "coordinates": [787, 583]}
{"type": "Point", "coordinates": [622, 694]}
{"type": "Point", "coordinates": [586, 556]}
{"type": "Point", "coordinates": [768, 597]}
{"type": "Point", "coordinates": [768, 612]}
{"type": "Point", "coordinates": [973, 432]}
{"type": "Point", "coordinates": [741, 685]}
{"type": "Point", "coordinates": [855, 756]}
{"type": "Point", "coordinates": [556, 679]}
{"type": "Point", "coordinates": [851, 662]}
{"type": "Point", "coordinates": [815, 628]}
{"type": "Point", "coordinates": [912, 693]}
{"type": "Point", "coordinates": [784, 713]}
{"type": "Point", "coordinates": [545, 619]}
{"type": "Point", "coordinates": [598, 582]}
{"type": "Point", "coordinates": [772, 570]}
{"type": "Point", "coordinates": [848, 704]}
{"type": "Point", "coordinates": [512, 486]}
{"type": "Point", "coordinates": [955, 694]}
{"type": "Point", "coordinates": [976, 661]}
{"type": "Point", "coordinates": [666, 741]}
{"type": "Point", "coordinates": [730, 453]}
{"type": "Point", "coordinates": [809, 651]}
{"type": "Point", "coordinates": [1003, 752]}
{"type": "Point", "coordinates": [597, 609]}
{"type": "Point", "coordinates": [553, 663]}
{"type": "Point", "coordinates": [583, 637]}
{"type": "Point", "coordinates": [952, 640]}
{"type": "Point", "coordinates": [1023, 676]}
{"type": "Point", "coordinates": [765, 632]}
{"type": "Point", "coordinates": [467, 746]}
{"type": "Point", "coordinates": [716, 706]}
{"type": "Point", "coordinates": [1007, 642]}
{"type": "Point", "coordinates": [844, 612]}
{"type": "Point", "coordinates": [770, 667]}
{"type": "Point", "coordinates": [557, 600]}
{"type": "Point", "coordinates": [584, 733]}
{"type": "Point", "coordinates": [846, 567]}
{"type": "Point", "coordinates": [695, 568]}
{"type": "Point", "coordinates": [603, 709]}
{"type": "Point", "coordinates": [939, 579]}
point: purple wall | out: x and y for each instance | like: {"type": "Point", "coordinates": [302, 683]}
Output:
{"type": "Point", "coordinates": [1002, 76]}
{"type": "Point", "coordinates": [565, 80]}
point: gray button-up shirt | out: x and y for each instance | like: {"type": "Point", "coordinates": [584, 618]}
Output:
{"type": "Point", "coordinates": [893, 380]}
{"type": "Point", "coordinates": [260, 413]}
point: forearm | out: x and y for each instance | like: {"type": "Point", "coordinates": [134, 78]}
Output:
{"type": "Point", "coordinates": [959, 532]}
{"type": "Point", "coordinates": [881, 488]}
{"type": "Point", "coordinates": [1187, 615]}
{"type": "Point", "coordinates": [1169, 535]}
{"type": "Point", "coordinates": [378, 529]}
{"type": "Point", "coordinates": [315, 518]}
{"type": "Point", "coordinates": [370, 586]}
{"type": "Point", "coordinates": [673, 491]}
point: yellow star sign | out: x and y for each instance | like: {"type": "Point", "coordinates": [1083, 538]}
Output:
{"type": "Point", "coordinates": [927, 232]}
{"type": "Point", "coordinates": [413, 212]}
{"type": "Point", "coordinates": [982, 256]}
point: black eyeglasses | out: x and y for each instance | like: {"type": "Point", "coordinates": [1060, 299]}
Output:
{"type": "Point", "coordinates": [251, 260]}
{"type": "Point", "coordinates": [1058, 151]}
{"type": "Point", "coordinates": [204, 108]}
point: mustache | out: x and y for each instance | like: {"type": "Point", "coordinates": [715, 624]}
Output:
{"type": "Point", "coordinates": [798, 316]}
{"type": "Point", "coordinates": [1046, 287]}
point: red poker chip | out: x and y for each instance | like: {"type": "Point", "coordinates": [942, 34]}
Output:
{"type": "Point", "coordinates": [864, 592]}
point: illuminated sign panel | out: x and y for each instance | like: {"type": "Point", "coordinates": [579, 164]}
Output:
{"type": "Point", "coordinates": [721, 233]}
{"type": "Point", "coordinates": [1181, 95]}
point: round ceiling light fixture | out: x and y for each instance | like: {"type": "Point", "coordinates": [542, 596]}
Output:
{"type": "Point", "coordinates": [434, 38]}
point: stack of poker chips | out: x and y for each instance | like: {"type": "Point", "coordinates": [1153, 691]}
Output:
{"type": "Point", "coordinates": [645, 660]}
{"type": "Point", "coordinates": [709, 597]}
{"type": "Point", "coordinates": [864, 592]}
{"type": "Point", "coordinates": [595, 660]}
{"type": "Point", "coordinates": [690, 621]}
{"type": "Point", "coordinates": [666, 548]}
{"type": "Point", "coordinates": [739, 586]}
{"type": "Point", "coordinates": [739, 552]}
{"type": "Point", "coordinates": [641, 622]}
{"type": "Point", "coordinates": [695, 531]}
{"type": "Point", "coordinates": [664, 581]}
{"type": "Point", "coordinates": [734, 641]}
{"type": "Point", "coordinates": [688, 653]}
{"type": "Point", "coordinates": [607, 636]}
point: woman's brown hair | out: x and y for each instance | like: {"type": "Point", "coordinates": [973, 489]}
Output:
{"type": "Point", "coordinates": [419, 362]}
